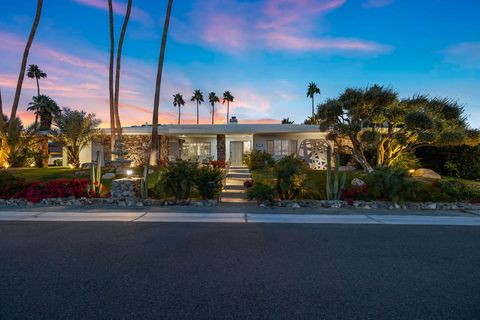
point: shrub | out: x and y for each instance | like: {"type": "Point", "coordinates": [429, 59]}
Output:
{"type": "Point", "coordinates": [248, 184]}
{"type": "Point", "coordinates": [258, 160]}
{"type": "Point", "coordinates": [218, 163]}
{"type": "Point", "coordinates": [456, 189]}
{"type": "Point", "coordinates": [291, 174]}
{"type": "Point", "coordinates": [390, 184]}
{"type": "Point", "coordinates": [461, 161]}
{"type": "Point", "coordinates": [406, 161]}
{"type": "Point", "coordinates": [175, 179]}
{"type": "Point", "coordinates": [10, 184]}
{"type": "Point", "coordinates": [62, 188]}
{"type": "Point", "coordinates": [261, 192]}
{"type": "Point", "coordinates": [208, 181]}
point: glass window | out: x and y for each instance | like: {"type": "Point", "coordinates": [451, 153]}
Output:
{"type": "Point", "coordinates": [281, 147]}
{"type": "Point", "coordinates": [196, 150]}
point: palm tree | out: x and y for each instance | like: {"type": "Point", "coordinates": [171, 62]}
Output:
{"type": "Point", "coordinates": [156, 101]}
{"type": "Point", "coordinates": [312, 90]}
{"type": "Point", "coordinates": [178, 102]}
{"type": "Point", "coordinates": [75, 130]}
{"type": "Point", "coordinates": [117, 71]}
{"type": "Point", "coordinates": [198, 97]}
{"type": "Point", "coordinates": [287, 121]}
{"type": "Point", "coordinates": [110, 77]}
{"type": "Point", "coordinates": [227, 97]}
{"type": "Point", "coordinates": [2, 122]}
{"type": "Point", "coordinates": [34, 72]}
{"type": "Point", "coordinates": [23, 67]}
{"type": "Point", "coordinates": [45, 108]}
{"type": "Point", "coordinates": [212, 97]}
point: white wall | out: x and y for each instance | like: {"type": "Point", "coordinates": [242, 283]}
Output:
{"type": "Point", "coordinates": [260, 140]}
{"type": "Point", "coordinates": [230, 138]}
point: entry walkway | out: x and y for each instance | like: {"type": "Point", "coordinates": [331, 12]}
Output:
{"type": "Point", "coordinates": [234, 191]}
{"type": "Point", "coordinates": [139, 216]}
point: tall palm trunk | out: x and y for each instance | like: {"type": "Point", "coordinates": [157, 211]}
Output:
{"type": "Point", "coordinates": [228, 110]}
{"type": "Point", "coordinates": [178, 114]}
{"type": "Point", "coordinates": [197, 114]}
{"type": "Point", "coordinates": [117, 72]}
{"type": "Point", "coordinates": [2, 123]}
{"type": "Point", "coordinates": [213, 114]}
{"type": "Point", "coordinates": [110, 78]}
{"type": "Point", "coordinates": [313, 109]}
{"type": "Point", "coordinates": [16, 100]}
{"type": "Point", "coordinates": [154, 146]}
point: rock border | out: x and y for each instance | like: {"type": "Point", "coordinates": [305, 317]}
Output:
{"type": "Point", "coordinates": [385, 205]}
{"type": "Point", "coordinates": [119, 202]}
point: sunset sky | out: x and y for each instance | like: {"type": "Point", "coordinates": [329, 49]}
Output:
{"type": "Point", "coordinates": [264, 52]}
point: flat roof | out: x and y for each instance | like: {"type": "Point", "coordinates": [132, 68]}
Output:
{"type": "Point", "coordinates": [206, 129]}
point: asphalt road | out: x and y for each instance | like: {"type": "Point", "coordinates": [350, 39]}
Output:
{"type": "Point", "coordinates": [53, 270]}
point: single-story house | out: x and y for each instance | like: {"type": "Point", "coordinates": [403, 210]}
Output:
{"type": "Point", "coordinates": [227, 142]}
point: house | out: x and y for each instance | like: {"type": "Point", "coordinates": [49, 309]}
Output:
{"type": "Point", "coordinates": [229, 142]}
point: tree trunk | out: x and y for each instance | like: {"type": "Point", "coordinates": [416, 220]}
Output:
{"type": "Point", "coordinates": [18, 90]}
{"type": "Point", "coordinates": [154, 148]}
{"type": "Point", "coordinates": [213, 114]}
{"type": "Point", "coordinates": [313, 110]}
{"type": "Point", "coordinates": [359, 155]}
{"type": "Point", "coordinates": [2, 122]}
{"type": "Point", "coordinates": [117, 72]}
{"type": "Point", "coordinates": [38, 87]}
{"type": "Point", "coordinates": [197, 113]}
{"type": "Point", "coordinates": [110, 78]}
{"type": "Point", "coordinates": [228, 111]}
{"type": "Point", "coordinates": [178, 114]}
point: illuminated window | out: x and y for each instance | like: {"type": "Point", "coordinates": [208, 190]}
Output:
{"type": "Point", "coordinates": [196, 150]}
{"type": "Point", "coordinates": [281, 147]}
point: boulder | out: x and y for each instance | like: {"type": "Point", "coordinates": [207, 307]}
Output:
{"type": "Point", "coordinates": [356, 182]}
{"type": "Point", "coordinates": [346, 168]}
{"type": "Point", "coordinates": [426, 173]}
{"type": "Point", "coordinates": [108, 176]}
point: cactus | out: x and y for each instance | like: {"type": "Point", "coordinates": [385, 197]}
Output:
{"type": "Point", "coordinates": [95, 185]}
{"type": "Point", "coordinates": [144, 183]}
{"type": "Point", "coordinates": [334, 188]}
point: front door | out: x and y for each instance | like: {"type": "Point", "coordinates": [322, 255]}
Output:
{"type": "Point", "coordinates": [236, 153]}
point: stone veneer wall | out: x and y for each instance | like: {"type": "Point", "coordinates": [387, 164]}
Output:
{"type": "Point", "coordinates": [221, 147]}
{"type": "Point", "coordinates": [138, 148]}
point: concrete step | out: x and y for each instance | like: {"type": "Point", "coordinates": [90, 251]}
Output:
{"type": "Point", "coordinates": [238, 167]}
{"type": "Point", "coordinates": [235, 200]}
{"type": "Point", "coordinates": [233, 195]}
{"type": "Point", "coordinates": [239, 175]}
{"type": "Point", "coordinates": [230, 187]}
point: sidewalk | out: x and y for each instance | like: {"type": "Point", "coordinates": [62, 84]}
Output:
{"type": "Point", "coordinates": [143, 216]}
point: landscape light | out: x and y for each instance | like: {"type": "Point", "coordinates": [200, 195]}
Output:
{"type": "Point", "coordinates": [129, 172]}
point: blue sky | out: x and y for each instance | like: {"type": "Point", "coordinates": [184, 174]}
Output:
{"type": "Point", "coordinates": [264, 52]}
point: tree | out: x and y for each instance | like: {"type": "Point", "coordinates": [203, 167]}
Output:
{"type": "Point", "coordinates": [178, 102]}
{"type": "Point", "coordinates": [351, 113]}
{"type": "Point", "coordinates": [212, 98]}
{"type": "Point", "coordinates": [45, 108]}
{"type": "Point", "coordinates": [34, 72]}
{"type": "Point", "coordinates": [2, 121]}
{"type": "Point", "coordinates": [110, 77]}
{"type": "Point", "coordinates": [117, 68]}
{"type": "Point", "coordinates": [311, 91]}
{"type": "Point", "coordinates": [16, 146]}
{"type": "Point", "coordinates": [198, 97]}
{"type": "Point", "coordinates": [227, 97]}
{"type": "Point", "coordinates": [416, 122]}
{"type": "Point", "coordinates": [154, 146]}
{"type": "Point", "coordinates": [287, 121]}
{"type": "Point", "coordinates": [23, 67]}
{"type": "Point", "coordinates": [74, 131]}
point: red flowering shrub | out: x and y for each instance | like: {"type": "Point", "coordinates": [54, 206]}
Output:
{"type": "Point", "coordinates": [62, 188]}
{"type": "Point", "coordinates": [218, 163]}
{"type": "Point", "coordinates": [356, 193]}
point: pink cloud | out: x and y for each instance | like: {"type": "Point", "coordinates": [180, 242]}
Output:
{"type": "Point", "coordinates": [276, 25]}
{"type": "Point", "coordinates": [119, 8]}
{"type": "Point", "coordinates": [465, 55]}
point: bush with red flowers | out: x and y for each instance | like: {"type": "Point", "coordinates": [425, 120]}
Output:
{"type": "Point", "coordinates": [62, 188]}
{"type": "Point", "coordinates": [356, 193]}
{"type": "Point", "coordinates": [218, 163]}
